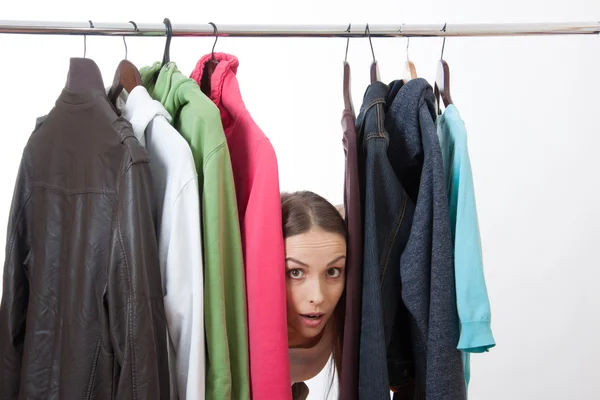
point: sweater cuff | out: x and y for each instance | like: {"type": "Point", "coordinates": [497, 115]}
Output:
{"type": "Point", "coordinates": [476, 337]}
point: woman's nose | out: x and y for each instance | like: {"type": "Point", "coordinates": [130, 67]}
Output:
{"type": "Point", "coordinates": [316, 295]}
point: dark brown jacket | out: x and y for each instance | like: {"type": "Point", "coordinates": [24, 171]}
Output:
{"type": "Point", "coordinates": [354, 263]}
{"type": "Point", "coordinates": [82, 313]}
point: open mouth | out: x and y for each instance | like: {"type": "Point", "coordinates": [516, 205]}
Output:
{"type": "Point", "coordinates": [312, 320]}
{"type": "Point", "coordinates": [312, 316]}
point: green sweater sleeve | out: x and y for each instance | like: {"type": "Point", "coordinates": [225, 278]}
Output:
{"type": "Point", "coordinates": [225, 291]}
{"type": "Point", "coordinates": [225, 315]}
{"type": "Point", "coordinates": [198, 120]}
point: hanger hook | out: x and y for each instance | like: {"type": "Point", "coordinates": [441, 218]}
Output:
{"type": "Point", "coordinates": [135, 29]}
{"type": "Point", "coordinates": [169, 33]}
{"type": "Point", "coordinates": [368, 33]}
{"type": "Point", "coordinates": [85, 39]}
{"type": "Point", "coordinates": [444, 43]}
{"type": "Point", "coordinates": [407, 41]}
{"type": "Point", "coordinates": [347, 42]}
{"type": "Point", "coordinates": [216, 33]}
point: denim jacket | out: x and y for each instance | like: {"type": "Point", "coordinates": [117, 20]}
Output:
{"type": "Point", "coordinates": [426, 266]}
{"type": "Point", "coordinates": [388, 213]}
{"type": "Point", "coordinates": [409, 327]}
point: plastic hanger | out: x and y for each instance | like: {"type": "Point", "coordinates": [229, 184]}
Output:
{"type": "Point", "coordinates": [210, 66]}
{"type": "Point", "coordinates": [442, 80]}
{"type": "Point", "coordinates": [169, 32]}
{"type": "Point", "coordinates": [374, 67]}
{"type": "Point", "coordinates": [166, 55]}
{"type": "Point", "coordinates": [410, 72]}
{"type": "Point", "coordinates": [126, 77]}
{"type": "Point", "coordinates": [346, 82]}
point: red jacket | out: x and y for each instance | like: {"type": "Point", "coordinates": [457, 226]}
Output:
{"type": "Point", "coordinates": [257, 189]}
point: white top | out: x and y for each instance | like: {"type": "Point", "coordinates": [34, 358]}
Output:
{"type": "Point", "coordinates": [179, 241]}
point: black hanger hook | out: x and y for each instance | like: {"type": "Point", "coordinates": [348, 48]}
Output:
{"type": "Point", "coordinates": [444, 43]}
{"type": "Point", "coordinates": [216, 33]}
{"type": "Point", "coordinates": [85, 39]}
{"type": "Point", "coordinates": [368, 33]}
{"type": "Point", "coordinates": [347, 42]}
{"type": "Point", "coordinates": [169, 33]}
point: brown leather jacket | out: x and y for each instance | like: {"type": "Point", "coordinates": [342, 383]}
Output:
{"type": "Point", "coordinates": [82, 314]}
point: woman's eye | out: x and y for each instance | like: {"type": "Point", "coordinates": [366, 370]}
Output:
{"type": "Point", "coordinates": [334, 272]}
{"type": "Point", "coordinates": [296, 273]}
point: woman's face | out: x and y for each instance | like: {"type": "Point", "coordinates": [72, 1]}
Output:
{"type": "Point", "coordinates": [315, 270]}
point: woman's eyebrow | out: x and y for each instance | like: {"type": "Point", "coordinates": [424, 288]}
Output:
{"type": "Point", "coordinates": [296, 261]}
{"type": "Point", "coordinates": [336, 260]}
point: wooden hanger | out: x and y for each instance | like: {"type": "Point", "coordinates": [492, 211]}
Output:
{"type": "Point", "coordinates": [375, 72]}
{"type": "Point", "coordinates": [410, 72]}
{"type": "Point", "coordinates": [210, 65]}
{"type": "Point", "coordinates": [374, 67]}
{"type": "Point", "coordinates": [442, 82]}
{"type": "Point", "coordinates": [126, 77]}
{"type": "Point", "coordinates": [346, 86]}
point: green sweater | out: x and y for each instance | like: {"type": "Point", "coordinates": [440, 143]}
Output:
{"type": "Point", "coordinates": [198, 120]}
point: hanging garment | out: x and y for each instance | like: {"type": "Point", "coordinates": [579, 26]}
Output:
{"type": "Point", "coordinates": [426, 265]}
{"type": "Point", "coordinates": [197, 120]}
{"type": "Point", "coordinates": [354, 262]}
{"type": "Point", "coordinates": [179, 242]}
{"type": "Point", "coordinates": [388, 218]}
{"type": "Point", "coordinates": [471, 292]}
{"type": "Point", "coordinates": [82, 314]}
{"type": "Point", "coordinates": [256, 178]}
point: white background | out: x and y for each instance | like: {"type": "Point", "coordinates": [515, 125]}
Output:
{"type": "Point", "coordinates": [530, 106]}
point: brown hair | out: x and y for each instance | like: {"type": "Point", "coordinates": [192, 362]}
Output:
{"type": "Point", "coordinates": [300, 212]}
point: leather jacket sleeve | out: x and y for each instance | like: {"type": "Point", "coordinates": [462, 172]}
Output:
{"type": "Point", "coordinates": [13, 310]}
{"type": "Point", "coordinates": [134, 295]}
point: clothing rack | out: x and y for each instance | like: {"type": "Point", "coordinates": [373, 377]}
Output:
{"type": "Point", "coordinates": [346, 31]}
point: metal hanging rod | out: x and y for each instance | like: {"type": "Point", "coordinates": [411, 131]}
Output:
{"type": "Point", "coordinates": [356, 30]}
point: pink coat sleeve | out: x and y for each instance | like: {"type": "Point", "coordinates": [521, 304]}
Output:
{"type": "Point", "coordinates": [265, 281]}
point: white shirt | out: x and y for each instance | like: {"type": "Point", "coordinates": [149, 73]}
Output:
{"type": "Point", "coordinates": [179, 236]}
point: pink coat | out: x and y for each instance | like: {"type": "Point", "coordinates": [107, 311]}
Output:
{"type": "Point", "coordinates": [257, 189]}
